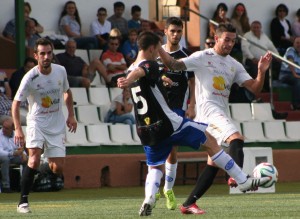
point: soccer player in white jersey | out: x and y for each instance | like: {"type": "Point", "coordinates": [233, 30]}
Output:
{"type": "Point", "coordinates": [159, 128]}
{"type": "Point", "coordinates": [215, 71]}
{"type": "Point", "coordinates": [45, 86]}
{"type": "Point", "coordinates": [179, 92]}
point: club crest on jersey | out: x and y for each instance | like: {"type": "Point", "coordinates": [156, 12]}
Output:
{"type": "Point", "coordinates": [219, 83]}
{"type": "Point", "coordinates": [147, 120]}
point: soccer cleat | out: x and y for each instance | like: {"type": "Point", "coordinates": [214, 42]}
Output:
{"type": "Point", "coordinates": [253, 183]}
{"type": "Point", "coordinates": [171, 200]}
{"type": "Point", "coordinates": [232, 183]}
{"type": "Point", "coordinates": [23, 208]}
{"type": "Point", "coordinates": [192, 209]}
{"type": "Point", "coordinates": [147, 207]}
{"type": "Point", "coordinates": [157, 197]}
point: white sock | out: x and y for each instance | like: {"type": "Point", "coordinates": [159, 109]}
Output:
{"type": "Point", "coordinates": [224, 161]}
{"type": "Point", "coordinates": [170, 175]}
{"type": "Point", "coordinates": [152, 183]}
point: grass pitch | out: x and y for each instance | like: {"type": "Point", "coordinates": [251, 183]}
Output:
{"type": "Point", "coordinates": [125, 203]}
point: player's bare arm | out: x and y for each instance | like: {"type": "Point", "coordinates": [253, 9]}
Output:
{"type": "Point", "coordinates": [19, 135]}
{"type": "Point", "coordinates": [256, 85]}
{"type": "Point", "coordinates": [131, 77]}
{"type": "Point", "coordinates": [71, 121]}
{"type": "Point", "coordinates": [170, 62]}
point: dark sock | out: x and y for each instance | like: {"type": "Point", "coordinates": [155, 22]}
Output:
{"type": "Point", "coordinates": [26, 183]}
{"type": "Point", "coordinates": [204, 182]}
{"type": "Point", "coordinates": [237, 153]}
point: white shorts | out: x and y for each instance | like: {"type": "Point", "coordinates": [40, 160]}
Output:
{"type": "Point", "coordinates": [221, 127]}
{"type": "Point", "coordinates": [53, 144]}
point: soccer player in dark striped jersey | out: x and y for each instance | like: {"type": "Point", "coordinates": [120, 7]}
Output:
{"type": "Point", "coordinates": [181, 97]}
{"type": "Point", "coordinates": [159, 128]}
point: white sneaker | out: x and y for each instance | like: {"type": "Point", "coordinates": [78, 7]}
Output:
{"type": "Point", "coordinates": [147, 207]}
{"type": "Point", "coordinates": [253, 183]}
{"type": "Point", "coordinates": [23, 208]}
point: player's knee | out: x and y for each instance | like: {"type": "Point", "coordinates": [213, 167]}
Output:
{"type": "Point", "coordinates": [34, 162]}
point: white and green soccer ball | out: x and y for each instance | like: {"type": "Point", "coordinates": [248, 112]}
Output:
{"type": "Point", "coordinates": [266, 170]}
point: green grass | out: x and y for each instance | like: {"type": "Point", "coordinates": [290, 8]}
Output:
{"type": "Point", "coordinates": [125, 203]}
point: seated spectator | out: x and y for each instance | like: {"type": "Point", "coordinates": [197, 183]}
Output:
{"type": "Point", "coordinates": [70, 25]}
{"type": "Point", "coordinates": [135, 21]}
{"type": "Point", "coordinates": [4, 85]}
{"type": "Point", "coordinates": [296, 25]}
{"type": "Point", "coordinates": [209, 43]}
{"type": "Point", "coordinates": [219, 17]}
{"type": "Point", "coordinates": [10, 28]}
{"type": "Point", "coordinates": [10, 153]}
{"type": "Point", "coordinates": [16, 77]}
{"type": "Point", "coordinates": [120, 109]}
{"type": "Point", "coordinates": [118, 21]}
{"type": "Point", "coordinates": [30, 33]}
{"type": "Point", "coordinates": [114, 61]}
{"type": "Point", "coordinates": [79, 73]}
{"type": "Point", "coordinates": [130, 48]}
{"type": "Point", "coordinates": [291, 75]}
{"type": "Point", "coordinates": [281, 32]}
{"type": "Point", "coordinates": [101, 28]}
{"type": "Point", "coordinates": [252, 53]}
{"type": "Point", "coordinates": [145, 26]}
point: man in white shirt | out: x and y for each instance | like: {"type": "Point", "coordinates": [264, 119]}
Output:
{"type": "Point", "coordinates": [252, 53]}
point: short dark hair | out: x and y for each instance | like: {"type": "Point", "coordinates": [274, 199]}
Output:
{"type": "Point", "coordinates": [119, 5]}
{"type": "Point", "coordinates": [174, 21]}
{"type": "Point", "coordinates": [147, 39]}
{"type": "Point", "coordinates": [102, 9]}
{"type": "Point", "coordinates": [30, 59]}
{"type": "Point", "coordinates": [135, 8]}
{"type": "Point", "coordinates": [42, 41]}
{"type": "Point", "coordinates": [225, 27]}
{"type": "Point", "coordinates": [281, 7]}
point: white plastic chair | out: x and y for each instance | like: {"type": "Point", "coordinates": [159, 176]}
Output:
{"type": "Point", "coordinates": [135, 136]}
{"type": "Point", "coordinates": [83, 54]}
{"type": "Point", "coordinates": [238, 126]}
{"type": "Point", "coordinates": [78, 138]}
{"type": "Point", "coordinates": [262, 111]}
{"type": "Point", "coordinates": [103, 109]}
{"type": "Point", "coordinates": [114, 92]}
{"type": "Point", "coordinates": [241, 112]}
{"type": "Point", "coordinates": [97, 82]}
{"type": "Point", "coordinates": [99, 134]}
{"type": "Point", "coordinates": [95, 54]}
{"type": "Point", "coordinates": [121, 133]}
{"type": "Point", "coordinates": [274, 130]}
{"type": "Point", "coordinates": [88, 114]}
{"type": "Point", "coordinates": [57, 51]}
{"type": "Point", "coordinates": [99, 95]}
{"type": "Point", "coordinates": [292, 130]}
{"type": "Point", "coordinates": [253, 132]}
{"type": "Point", "coordinates": [80, 96]}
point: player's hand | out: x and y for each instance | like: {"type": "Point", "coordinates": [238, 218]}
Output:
{"type": "Point", "coordinates": [264, 62]}
{"type": "Point", "coordinates": [19, 138]}
{"type": "Point", "coordinates": [167, 82]}
{"type": "Point", "coordinates": [72, 124]}
{"type": "Point", "coordinates": [122, 82]}
{"type": "Point", "coordinates": [190, 112]}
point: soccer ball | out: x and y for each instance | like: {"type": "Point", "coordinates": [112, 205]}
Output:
{"type": "Point", "coordinates": [266, 169]}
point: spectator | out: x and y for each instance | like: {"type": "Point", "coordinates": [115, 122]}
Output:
{"type": "Point", "coordinates": [130, 48]}
{"type": "Point", "coordinates": [219, 17]}
{"type": "Point", "coordinates": [27, 10]}
{"type": "Point", "coordinates": [120, 109]}
{"type": "Point", "coordinates": [10, 153]}
{"type": "Point", "coordinates": [4, 85]}
{"type": "Point", "coordinates": [101, 28]}
{"type": "Point", "coordinates": [79, 73]}
{"type": "Point", "coordinates": [240, 21]}
{"type": "Point", "coordinates": [281, 33]}
{"type": "Point", "coordinates": [291, 75]}
{"type": "Point", "coordinates": [30, 33]}
{"type": "Point", "coordinates": [145, 26]}
{"type": "Point", "coordinates": [114, 61]}
{"type": "Point", "coordinates": [209, 42]}
{"type": "Point", "coordinates": [17, 76]}
{"type": "Point", "coordinates": [135, 21]}
{"type": "Point", "coordinates": [10, 28]}
{"type": "Point", "coordinates": [70, 25]}
{"type": "Point", "coordinates": [296, 25]}
{"type": "Point", "coordinates": [252, 53]}
{"type": "Point", "coordinates": [117, 21]}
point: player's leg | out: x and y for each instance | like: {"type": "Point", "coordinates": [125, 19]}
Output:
{"type": "Point", "coordinates": [27, 178]}
{"type": "Point", "coordinates": [170, 176]}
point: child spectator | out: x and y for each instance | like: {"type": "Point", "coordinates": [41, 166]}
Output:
{"type": "Point", "coordinates": [130, 48]}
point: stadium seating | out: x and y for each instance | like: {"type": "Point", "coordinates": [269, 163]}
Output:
{"type": "Point", "coordinates": [121, 133]}
{"type": "Point", "coordinates": [262, 111]}
{"type": "Point", "coordinates": [78, 138]}
{"type": "Point", "coordinates": [114, 91]}
{"type": "Point", "coordinates": [83, 54]}
{"type": "Point", "coordinates": [292, 130]}
{"type": "Point", "coordinates": [99, 96]}
{"type": "Point", "coordinates": [241, 112]}
{"type": "Point", "coordinates": [253, 132]}
{"type": "Point", "coordinates": [95, 54]}
{"type": "Point", "coordinates": [80, 96]}
{"type": "Point", "coordinates": [88, 114]}
{"type": "Point", "coordinates": [274, 130]}
{"type": "Point", "coordinates": [99, 134]}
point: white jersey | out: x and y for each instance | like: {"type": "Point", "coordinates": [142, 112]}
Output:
{"type": "Point", "coordinates": [45, 96]}
{"type": "Point", "coordinates": [214, 76]}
